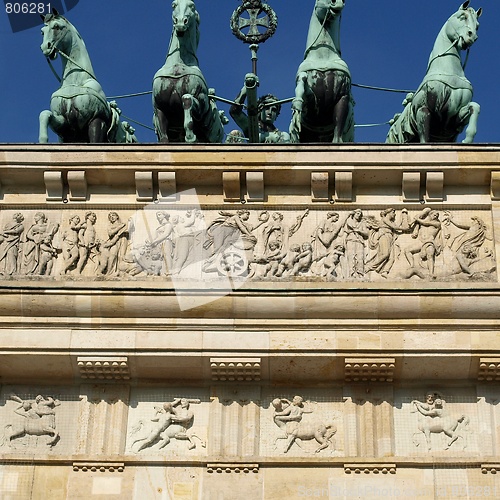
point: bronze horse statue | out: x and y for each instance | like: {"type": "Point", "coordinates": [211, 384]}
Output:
{"type": "Point", "coordinates": [442, 106]}
{"type": "Point", "coordinates": [323, 105]}
{"type": "Point", "coordinates": [183, 110]}
{"type": "Point", "coordinates": [79, 111]}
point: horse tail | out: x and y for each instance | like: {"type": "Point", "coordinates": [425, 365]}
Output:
{"type": "Point", "coordinates": [202, 443]}
{"type": "Point", "coordinates": [331, 430]}
{"type": "Point", "coordinates": [465, 421]}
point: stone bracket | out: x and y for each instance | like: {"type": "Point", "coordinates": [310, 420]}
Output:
{"type": "Point", "coordinates": [54, 186]}
{"type": "Point", "coordinates": [434, 186]}
{"type": "Point", "coordinates": [255, 186]}
{"type": "Point", "coordinates": [223, 467]}
{"type": "Point", "coordinates": [495, 185]}
{"type": "Point", "coordinates": [319, 186]}
{"type": "Point", "coordinates": [167, 186]}
{"type": "Point", "coordinates": [489, 370]}
{"type": "Point", "coordinates": [144, 186]}
{"type": "Point", "coordinates": [370, 468]}
{"type": "Point", "coordinates": [235, 369]}
{"type": "Point", "coordinates": [103, 367]}
{"type": "Point", "coordinates": [77, 182]}
{"type": "Point", "coordinates": [231, 186]}
{"type": "Point", "coordinates": [411, 186]}
{"type": "Point", "coordinates": [98, 466]}
{"type": "Point", "coordinates": [369, 370]}
{"type": "Point", "coordinates": [343, 186]}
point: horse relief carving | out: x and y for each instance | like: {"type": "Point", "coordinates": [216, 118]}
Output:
{"type": "Point", "coordinates": [295, 428]}
{"type": "Point", "coordinates": [434, 418]}
{"type": "Point", "coordinates": [171, 420]}
{"type": "Point", "coordinates": [32, 417]}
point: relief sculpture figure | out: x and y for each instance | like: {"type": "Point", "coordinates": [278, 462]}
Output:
{"type": "Point", "coordinates": [170, 421]}
{"type": "Point", "coordinates": [356, 233]}
{"type": "Point", "coordinates": [114, 248]}
{"type": "Point", "coordinates": [442, 106]}
{"type": "Point", "coordinates": [288, 415]}
{"type": "Point", "coordinates": [383, 235]}
{"type": "Point", "coordinates": [39, 418]}
{"type": "Point", "coordinates": [10, 238]}
{"type": "Point", "coordinates": [428, 244]}
{"type": "Point", "coordinates": [70, 239]}
{"type": "Point", "coordinates": [435, 419]}
{"type": "Point", "coordinates": [39, 234]}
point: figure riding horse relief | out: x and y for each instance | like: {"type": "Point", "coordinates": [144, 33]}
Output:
{"type": "Point", "coordinates": [79, 111]}
{"type": "Point", "coordinates": [442, 105]}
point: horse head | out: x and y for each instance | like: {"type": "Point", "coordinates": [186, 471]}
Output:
{"type": "Point", "coordinates": [56, 34]}
{"type": "Point", "coordinates": [184, 16]}
{"type": "Point", "coordinates": [463, 25]}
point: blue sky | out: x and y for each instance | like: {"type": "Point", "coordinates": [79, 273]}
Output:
{"type": "Point", "coordinates": [385, 44]}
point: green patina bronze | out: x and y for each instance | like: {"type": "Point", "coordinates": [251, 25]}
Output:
{"type": "Point", "coordinates": [79, 111]}
{"type": "Point", "coordinates": [266, 109]}
{"type": "Point", "coordinates": [442, 106]}
{"type": "Point", "coordinates": [183, 110]}
{"type": "Point", "coordinates": [323, 105]}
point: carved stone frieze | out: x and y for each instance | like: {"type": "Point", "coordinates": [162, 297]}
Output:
{"type": "Point", "coordinates": [38, 418]}
{"type": "Point", "coordinates": [171, 243]}
{"type": "Point", "coordinates": [169, 427]}
{"type": "Point", "coordinates": [294, 426]}
{"type": "Point", "coordinates": [435, 422]}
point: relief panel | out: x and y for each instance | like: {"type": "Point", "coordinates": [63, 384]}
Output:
{"type": "Point", "coordinates": [168, 421]}
{"type": "Point", "coordinates": [295, 424]}
{"type": "Point", "coordinates": [161, 242]}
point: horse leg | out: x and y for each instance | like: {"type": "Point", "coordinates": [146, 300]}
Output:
{"type": "Point", "coordinates": [297, 105]}
{"type": "Point", "coordinates": [427, 433]}
{"type": "Point", "coordinates": [423, 120]}
{"type": "Point", "coordinates": [322, 440]}
{"type": "Point", "coordinates": [160, 123]}
{"type": "Point", "coordinates": [164, 440]}
{"type": "Point", "coordinates": [472, 112]}
{"type": "Point", "coordinates": [54, 433]}
{"type": "Point", "coordinates": [188, 103]}
{"type": "Point", "coordinates": [43, 136]}
{"type": "Point", "coordinates": [340, 112]}
{"type": "Point", "coordinates": [97, 131]}
{"type": "Point", "coordinates": [185, 437]}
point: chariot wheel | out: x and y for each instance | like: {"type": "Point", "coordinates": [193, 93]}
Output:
{"type": "Point", "coordinates": [233, 263]}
